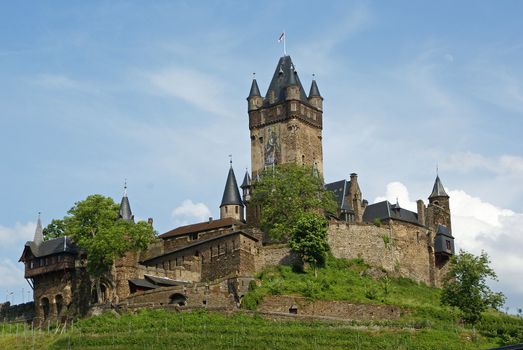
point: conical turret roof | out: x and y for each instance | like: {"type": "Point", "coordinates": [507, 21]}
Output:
{"type": "Point", "coordinates": [246, 180]}
{"type": "Point", "coordinates": [39, 232]}
{"type": "Point", "coordinates": [231, 194]}
{"type": "Point", "coordinates": [438, 190]}
{"type": "Point", "coordinates": [314, 92]}
{"type": "Point", "coordinates": [255, 91]}
{"type": "Point", "coordinates": [125, 208]}
{"type": "Point", "coordinates": [284, 76]}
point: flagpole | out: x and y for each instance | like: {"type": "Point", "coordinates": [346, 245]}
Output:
{"type": "Point", "coordinates": [284, 44]}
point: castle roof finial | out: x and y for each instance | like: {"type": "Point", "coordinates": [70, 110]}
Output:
{"type": "Point", "coordinates": [438, 190]}
{"type": "Point", "coordinates": [230, 159]}
{"type": "Point", "coordinates": [255, 90]}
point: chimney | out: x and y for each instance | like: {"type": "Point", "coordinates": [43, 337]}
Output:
{"type": "Point", "coordinates": [150, 222]}
{"type": "Point", "coordinates": [210, 219]}
{"type": "Point", "coordinates": [421, 212]}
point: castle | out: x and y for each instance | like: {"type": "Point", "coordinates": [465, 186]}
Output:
{"type": "Point", "coordinates": [210, 264]}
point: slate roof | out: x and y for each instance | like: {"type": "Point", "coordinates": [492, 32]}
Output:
{"type": "Point", "coordinates": [314, 92]}
{"type": "Point", "coordinates": [125, 208]}
{"type": "Point", "coordinates": [284, 75]}
{"type": "Point", "coordinates": [385, 210]}
{"type": "Point", "coordinates": [255, 91]}
{"type": "Point", "coordinates": [231, 195]}
{"type": "Point", "coordinates": [200, 227]}
{"type": "Point", "coordinates": [438, 190]}
{"type": "Point", "coordinates": [52, 246]}
{"type": "Point", "coordinates": [246, 180]}
{"type": "Point", "coordinates": [138, 282]}
{"type": "Point", "coordinates": [340, 190]}
{"type": "Point", "coordinates": [39, 232]}
{"type": "Point", "coordinates": [443, 230]}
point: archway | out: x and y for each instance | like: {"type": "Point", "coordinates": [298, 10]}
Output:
{"type": "Point", "coordinates": [178, 299]}
{"type": "Point", "coordinates": [59, 300]}
{"type": "Point", "coordinates": [44, 303]}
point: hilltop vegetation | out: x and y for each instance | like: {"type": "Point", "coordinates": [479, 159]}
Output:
{"type": "Point", "coordinates": [425, 324]}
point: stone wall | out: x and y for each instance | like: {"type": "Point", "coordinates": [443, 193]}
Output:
{"type": "Point", "coordinates": [274, 254]}
{"type": "Point", "coordinates": [331, 308]}
{"type": "Point", "coordinates": [399, 247]}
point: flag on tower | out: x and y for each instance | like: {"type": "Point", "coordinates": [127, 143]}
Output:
{"type": "Point", "coordinates": [282, 37]}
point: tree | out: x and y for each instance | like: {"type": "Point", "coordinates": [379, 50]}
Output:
{"type": "Point", "coordinates": [54, 230]}
{"type": "Point", "coordinates": [309, 239]}
{"type": "Point", "coordinates": [284, 194]}
{"type": "Point", "coordinates": [94, 226]}
{"type": "Point", "coordinates": [465, 287]}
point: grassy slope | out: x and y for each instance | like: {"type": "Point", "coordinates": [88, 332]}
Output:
{"type": "Point", "coordinates": [427, 326]}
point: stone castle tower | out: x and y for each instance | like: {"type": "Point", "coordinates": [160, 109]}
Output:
{"type": "Point", "coordinates": [285, 125]}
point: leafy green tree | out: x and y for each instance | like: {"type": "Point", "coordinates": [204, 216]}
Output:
{"type": "Point", "coordinates": [309, 239]}
{"type": "Point", "coordinates": [94, 225]}
{"type": "Point", "coordinates": [54, 230]}
{"type": "Point", "coordinates": [287, 192]}
{"type": "Point", "coordinates": [465, 287]}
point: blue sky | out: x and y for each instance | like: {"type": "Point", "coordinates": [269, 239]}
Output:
{"type": "Point", "coordinates": [96, 92]}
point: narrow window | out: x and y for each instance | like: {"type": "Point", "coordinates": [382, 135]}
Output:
{"type": "Point", "coordinates": [448, 245]}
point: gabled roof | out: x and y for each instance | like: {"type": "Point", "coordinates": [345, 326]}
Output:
{"type": "Point", "coordinates": [50, 247]}
{"type": "Point", "coordinates": [284, 76]}
{"type": "Point", "coordinates": [201, 227]}
{"type": "Point", "coordinates": [314, 91]}
{"type": "Point", "coordinates": [340, 190]}
{"type": "Point", "coordinates": [385, 210]}
{"type": "Point", "coordinates": [438, 190]}
{"type": "Point", "coordinates": [255, 91]}
{"type": "Point", "coordinates": [231, 194]}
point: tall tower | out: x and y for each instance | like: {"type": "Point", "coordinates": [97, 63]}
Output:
{"type": "Point", "coordinates": [285, 125]}
{"type": "Point", "coordinates": [232, 205]}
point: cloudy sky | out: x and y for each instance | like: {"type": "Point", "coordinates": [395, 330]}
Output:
{"type": "Point", "coordinates": [93, 93]}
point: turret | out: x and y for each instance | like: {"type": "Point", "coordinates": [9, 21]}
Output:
{"type": "Point", "coordinates": [125, 212]}
{"type": "Point", "coordinates": [254, 99]}
{"type": "Point", "coordinates": [232, 205]}
{"type": "Point", "coordinates": [246, 186]}
{"type": "Point", "coordinates": [315, 98]}
{"type": "Point", "coordinates": [354, 195]}
{"type": "Point", "coordinates": [292, 92]}
{"type": "Point", "coordinates": [438, 210]}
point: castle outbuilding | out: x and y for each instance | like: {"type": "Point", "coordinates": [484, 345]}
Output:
{"type": "Point", "coordinates": [210, 263]}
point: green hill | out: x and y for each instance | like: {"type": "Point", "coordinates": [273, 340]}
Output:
{"type": "Point", "coordinates": [424, 324]}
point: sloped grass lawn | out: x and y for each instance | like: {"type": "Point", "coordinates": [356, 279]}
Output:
{"type": "Point", "coordinates": [154, 329]}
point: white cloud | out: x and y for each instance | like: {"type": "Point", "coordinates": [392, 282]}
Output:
{"type": "Point", "coordinates": [478, 225]}
{"type": "Point", "coordinates": [15, 237]}
{"type": "Point", "coordinates": [189, 212]}
{"type": "Point", "coordinates": [398, 191]}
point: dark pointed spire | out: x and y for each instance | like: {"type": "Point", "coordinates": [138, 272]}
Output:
{"type": "Point", "coordinates": [231, 194]}
{"type": "Point", "coordinates": [255, 91]}
{"type": "Point", "coordinates": [125, 208]}
{"type": "Point", "coordinates": [246, 180]}
{"type": "Point", "coordinates": [314, 92]}
{"type": "Point", "coordinates": [284, 75]}
{"type": "Point", "coordinates": [39, 232]}
{"type": "Point", "coordinates": [438, 190]}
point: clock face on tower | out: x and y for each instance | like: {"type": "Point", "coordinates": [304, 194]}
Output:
{"type": "Point", "coordinates": [271, 148]}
